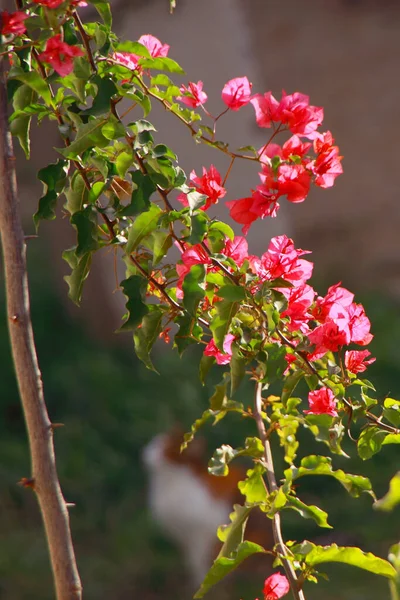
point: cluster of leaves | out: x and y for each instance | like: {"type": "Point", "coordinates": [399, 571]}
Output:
{"type": "Point", "coordinates": [258, 315]}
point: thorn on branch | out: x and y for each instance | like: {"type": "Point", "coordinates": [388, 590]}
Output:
{"type": "Point", "coordinates": [54, 426]}
{"type": "Point", "coordinates": [15, 319]}
{"type": "Point", "coordinates": [27, 482]}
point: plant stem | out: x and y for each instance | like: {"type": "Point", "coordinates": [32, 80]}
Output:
{"type": "Point", "coordinates": [272, 485]}
{"type": "Point", "coordinates": [44, 479]}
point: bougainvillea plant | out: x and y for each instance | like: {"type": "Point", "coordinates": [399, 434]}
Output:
{"type": "Point", "coordinates": [189, 278]}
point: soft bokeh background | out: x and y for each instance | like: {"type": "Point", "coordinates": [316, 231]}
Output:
{"type": "Point", "coordinates": [345, 55]}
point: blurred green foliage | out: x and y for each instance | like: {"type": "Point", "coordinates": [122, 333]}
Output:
{"type": "Point", "coordinates": [111, 407]}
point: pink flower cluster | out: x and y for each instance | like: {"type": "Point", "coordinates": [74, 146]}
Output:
{"type": "Point", "coordinates": [60, 55]}
{"type": "Point", "coordinates": [288, 171]}
{"type": "Point", "coordinates": [210, 184]}
{"type": "Point", "coordinates": [195, 255]}
{"type": "Point", "coordinates": [13, 23]}
{"type": "Point", "coordinates": [275, 587]}
{"type": "Point", "coordinates": [153, 45]}
{"type": "Point", "coordinates": [322, 402]}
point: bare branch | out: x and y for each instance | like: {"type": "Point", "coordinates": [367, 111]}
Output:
{"type": "Point", "coordinates": [272, 486]}
{"type": "Point", "coordinates": [44, 479]}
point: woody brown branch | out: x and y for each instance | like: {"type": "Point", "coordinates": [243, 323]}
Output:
{"type": "Point", "coordinates": [40, 432]}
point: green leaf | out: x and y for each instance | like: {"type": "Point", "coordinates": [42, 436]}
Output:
{"type": "Point", "coordinates": [143, 225]}
{"type": "Point", "coordinates": [290, 385]}
{"type": "Point", "coordinates": [308, 511]}
{"type": "Point", "coordinates": [232, 534]}
{"type": "Point", "coordinates": [392, 498]}
{"type": "Point", "coordinates": [322, 465]}
{"type": "Point", "coordinates": [234, 293]}
{"type": "Point", "coordinates": [198, 228]}
{"type": "Point", "coordinates": [224, 565]}
{"type": "Point", "coordinates": [223, 228]}
{"type": "Point", "coordinates": [276, 363]}
{"type": "Point", "coordinates": [53, 177]}
{"type": "Point", "coordinates": [34, 81]}
{"type": "Point", "coordinates": [391, 438]}
{"type": "Point", "coordinates": [161, 64]}
{"type": "Point", "coordinates": [106, 88]}
{"type": "Point", "coordinates": [193, 288]}
{"type": "Point", "coordinates": [133, 48]}
{"type": "Point", "coordinates": [113, 129]}
{"type": "Point", "coordinates": [225, 311]}
{"type": "Point", "coordinates": [206, 362]}
{"type": "Point", "coordinates": [80, 271]}
{"type": "Point", "coordinates": [162, 242]}
{"type": "Point", "coordinates": [237, 368]}
{"type": "Point", "coordinates": [77, 194]}
{"type": "Point", "coordinates": [134, 289]}
{"type": "Point", "coordinates": [326, 430]}
{"type": "Point", "coordinates": [123, 161]}
{"type": "Point", "coordinates": [23, 98]}
{"type": "Point", "coordinates": [85, 222]}
{"type": "Point", "coordinates": [104, 10]}
{"type": "Point", "coordinates": [316, 555]}
{"type": "Point", "coordinates": [253, 487]}
{"type": "Point", "coordinates": [222, 456]}
{"type": "Point", "coordinates": [189, 332]}
{"type": "Point", "coordinates": [88, 135]}
{"type": "Point", "coordinates": [145, 337]}
{"type": "Point", "coordinates": [195, 200]}
{"type": "Point", "coordinates": [143, 188]}
{"type": "Point", "coordinates": [391, 411]}
{"type": "Point", "coordinates": [218, 464]}
{"type": "Point", "coordinates": [370, 442]}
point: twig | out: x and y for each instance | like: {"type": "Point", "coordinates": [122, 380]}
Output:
{"type": "Point", "coordinates": [40, 432]}
{"type": "Point", "coordinates": [276, 521]}
{"type": "Point", "coordinates": [85, 40]}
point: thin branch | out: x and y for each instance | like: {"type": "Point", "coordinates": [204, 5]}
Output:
{"type": "Point", "coordinates": [85, 40]}
{"type": "Point", "coordinates": [192, 129]}
{"type": "Point", "coordinates": [44, 479]}
{"type": "Point", "coordinates": [276, 521]}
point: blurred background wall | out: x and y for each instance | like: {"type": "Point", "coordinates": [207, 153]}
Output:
{"type": "Point", "coordinates": [345, 55]}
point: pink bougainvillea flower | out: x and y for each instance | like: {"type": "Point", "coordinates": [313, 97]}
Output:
{"type": "Point", "coordinates": [322, 402]}
{"type": "Point", "coordinates": [359, 325]}
{"type": "Point", "coordinates": [13, 23]}
{"type": "Point", "coordinates": [60, 55]}
{"type": "Point", "coordinates": [327, 166]}
{"type": "Point", "coordinates": [299, 301]}
{"type": "Point", "coordinates": [210, 184]}
{"type": "Point", "coordinates": [330, 305]}
{"type": "Point", "coordinates": [237, 93]}
{"type": "Point", "coordinates": [241, 212]}
{"type": "Point", "coordinates": [49, 3]}
{"type": "Point", "coordinates": [126, 59]}
{"type": "Point", "coordinates": [266, 109]}
{"type": "Point", "coordinates": [194, 255]}
{"type": "Point", "coordinates": [154, 46]}
{"type": "Point", "coordinates": [193, 94]}
{"type": "Point", "coordinates": [328, 337]}
{"type": "Point", "coordinates": [292, 147]}
{"type": "Point", "coordinates": [282, 261]}
{"type": "Point", "coordinates": [275, 587]}
{"type": "Point", "coordinates": [237, 249]}
{"type": "Point", "coordinates": [295, 111]}
{"type": "Point", "coordinates": [259, 205]}
{"type": "Point", "coordinates": [221, 357]}
{"type": "Point", "coordinates": [293, 182]}
{"type": "Point", "coordinates": [355, 360]}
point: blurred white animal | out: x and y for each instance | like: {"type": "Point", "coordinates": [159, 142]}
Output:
{"type": "Point", "coordinates": [189, 504]}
